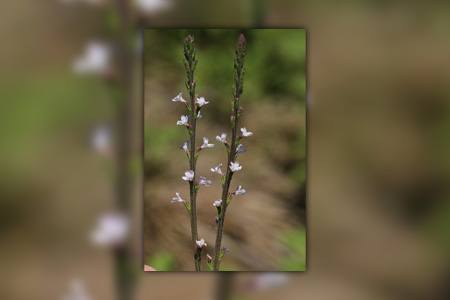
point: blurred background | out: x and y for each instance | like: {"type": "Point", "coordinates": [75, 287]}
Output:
{"type": "Point", "coordinates": [378, 206]}
{"type": "Point", "coordinates": [265, 228]}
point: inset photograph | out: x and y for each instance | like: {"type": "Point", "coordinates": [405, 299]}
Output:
{"type": "Point", "coordinates": [224, 150]}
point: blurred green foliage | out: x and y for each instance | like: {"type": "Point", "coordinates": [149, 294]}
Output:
{"type": "Point", "coordinates": [295, 242]}
{"type": "Point", "coordinates": [162, 261]}
{"type": "Point", "coordinates": [275, 63]}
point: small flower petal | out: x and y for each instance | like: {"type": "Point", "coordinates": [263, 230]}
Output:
{"type": "Point", "coordinates": [179, 98]}
{"type": "Point", "coordinates": [217, 203]}
{"type": "Point", "coordinates": [201, 101]}
{"type": "Point", "coordinates": [245, 132]}
{"type": "Point", "coordinates": [183, 121]}
{"type": "Point", "coordinates": [235, 166]}
{"type": "Point", "coordinates": [222, 138]}
{"type": "Point", "coordinates": [188, 175]}
{"type": "Point", "coordinates": [201, 243]}
{"type": "Point", "coordinates": [217, 169]}
{"type": "Point", "coordinates": [206, 143]}
{"type": "Point", "coordinates": [204, 181]}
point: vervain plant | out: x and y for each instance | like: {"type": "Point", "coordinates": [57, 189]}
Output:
{"type": "Point", "coordinates": [193, 106]}
{"type": "Point", "coordinates": [234, 148]}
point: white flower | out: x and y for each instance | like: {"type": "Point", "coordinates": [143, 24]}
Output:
{"type": "Point", "coordinates": [94, 60]}
{"type": "Point", "coordinates": [152, 6]}
{"type": "Point", "coordinates": [188, 175]}
{"type": "Point", "coordinates": [183, 121]}
{"type": "Point", "coordinates": [185, 147]}
{"type": "Point", "coordinates": [206, 143]}
{"type": "Point", "coordinates": [77, 291]}
{"type": "Point", "coordinates": [217, 203]}
{"type": "Point", "coordinates": [177, 198]}
{"type": "Point", "coordinates": [111, 230]}
{"type": "Point", "coordinates": [235, 166]}
{"type": "Point", "coordinates": [217, 169]}
{"type": "Point", "coordinates": [204, 181]}
{"type": "Point", "coordinates": [240, 191]}
{"type": "Point", "coordinates": [222, 138]}
{"type": "Point", "coordinates": [179, 98]}
{"type": "Point", "coordinates": [240, 149]}
{"type": "Point", "coordinates": [101, 140]}
{"type": "Point", "coordinates": [245, 132]}
{"type": "Point", "coordinates": [201, 243]}
{"type": "Point", "coordinates": [269, 280]}
{"type": "Point", "coordinates": [201, 101]}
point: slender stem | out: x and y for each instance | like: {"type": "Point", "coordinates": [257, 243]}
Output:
{"type": "Point", "coordinates": [238, 89]}
{"type": "Point", "coordinates": [190, 64]}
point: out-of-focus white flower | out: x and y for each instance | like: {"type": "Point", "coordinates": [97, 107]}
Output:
{"type": "Point", "coordinates": [111, 230]}
{"type": "Point", "coordinates": [188, 175]}
{"type": "Point", "coordinates": [152, 6]}
{"type": "Point", "coordinates": [245, 132]}
{"type": "Point", "coordinates": [204, 181]}
{"type": "Point", "coordinates": [217, 169]}
{"type": "Point", "coordinates": [222, 138]}
{"type": "Point", "coordinates": [96, 59]}
{"type": "Point", "coordinates": [201, 243]}
{"type": "Point", "coordinates": [201, 101]}
{"type": "Point", "coordinates": [183, 121]}
{"type": "Point", "coordinates": [217, 203]}
{"type": "Point", "coordinates": [240, 191]}
{"type": "Point", "coordinates": [101, 140]}
{"type": "Point", "coordinates": [179, 98]}
{"type": "Point", "coordinates": [235, 166]}
{"type": "Point", "coordinates": [206, 143]}
{"type": "Point", "coordinates": [269, 280]}
{"type": "Point", "coordinates": [185, 147]}
{"type": "Point", "coordinates": [177, 198]}
{"type": "Point", "coordinates": [77, 291]}
{"type": "Point", "coordinates": [240, 149]}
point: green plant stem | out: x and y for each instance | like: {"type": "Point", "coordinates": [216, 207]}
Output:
{"type": "Point", "coordinates": [238, 89]}
{"type": "Point", "coordinates": [190, 64]}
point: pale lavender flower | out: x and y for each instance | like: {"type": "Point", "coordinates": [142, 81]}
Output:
{"type": "Point", "coordinates": [222, 138]}
{"type": "Point", "coordinates": [201, 243]}
{"type": "Point", "coordinates": [245, 132]}
{"type": "Point", "coordinates": [177, 198]}
{"type": "Point", "coordinates": [111, 230]}
{"type": "Point", "coordinates": [240, 191]}
{"type": "Point", "coordinates": [188, 175]}
{"type": "Point", "coordinates": [204, 181]}
{"type": "Point", "coordinates": [183, 121]}
{"type": "Point", "coordinates": [201, 101]}
{"type": "Point", "coordinates": [185, 146]}
{"type": "Point", "coordinates": [235, 166]}
{"type": "Point", "coordinates": [77, 291]}
{"type": "Point", "coordinates": [217, 203]}
{"type": "Point", "coordinates": [96, 59]}
{"type": "Point", "coordinates": [179, 98]}
{"type": "Point", "coordinates": [206, 143]}
{"type": "Point", "coordinates": [240, 149]}
{"type": "Point", "coordinates": [217, 169]}
{"type": "Point", "coordinates": [152, 6]}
